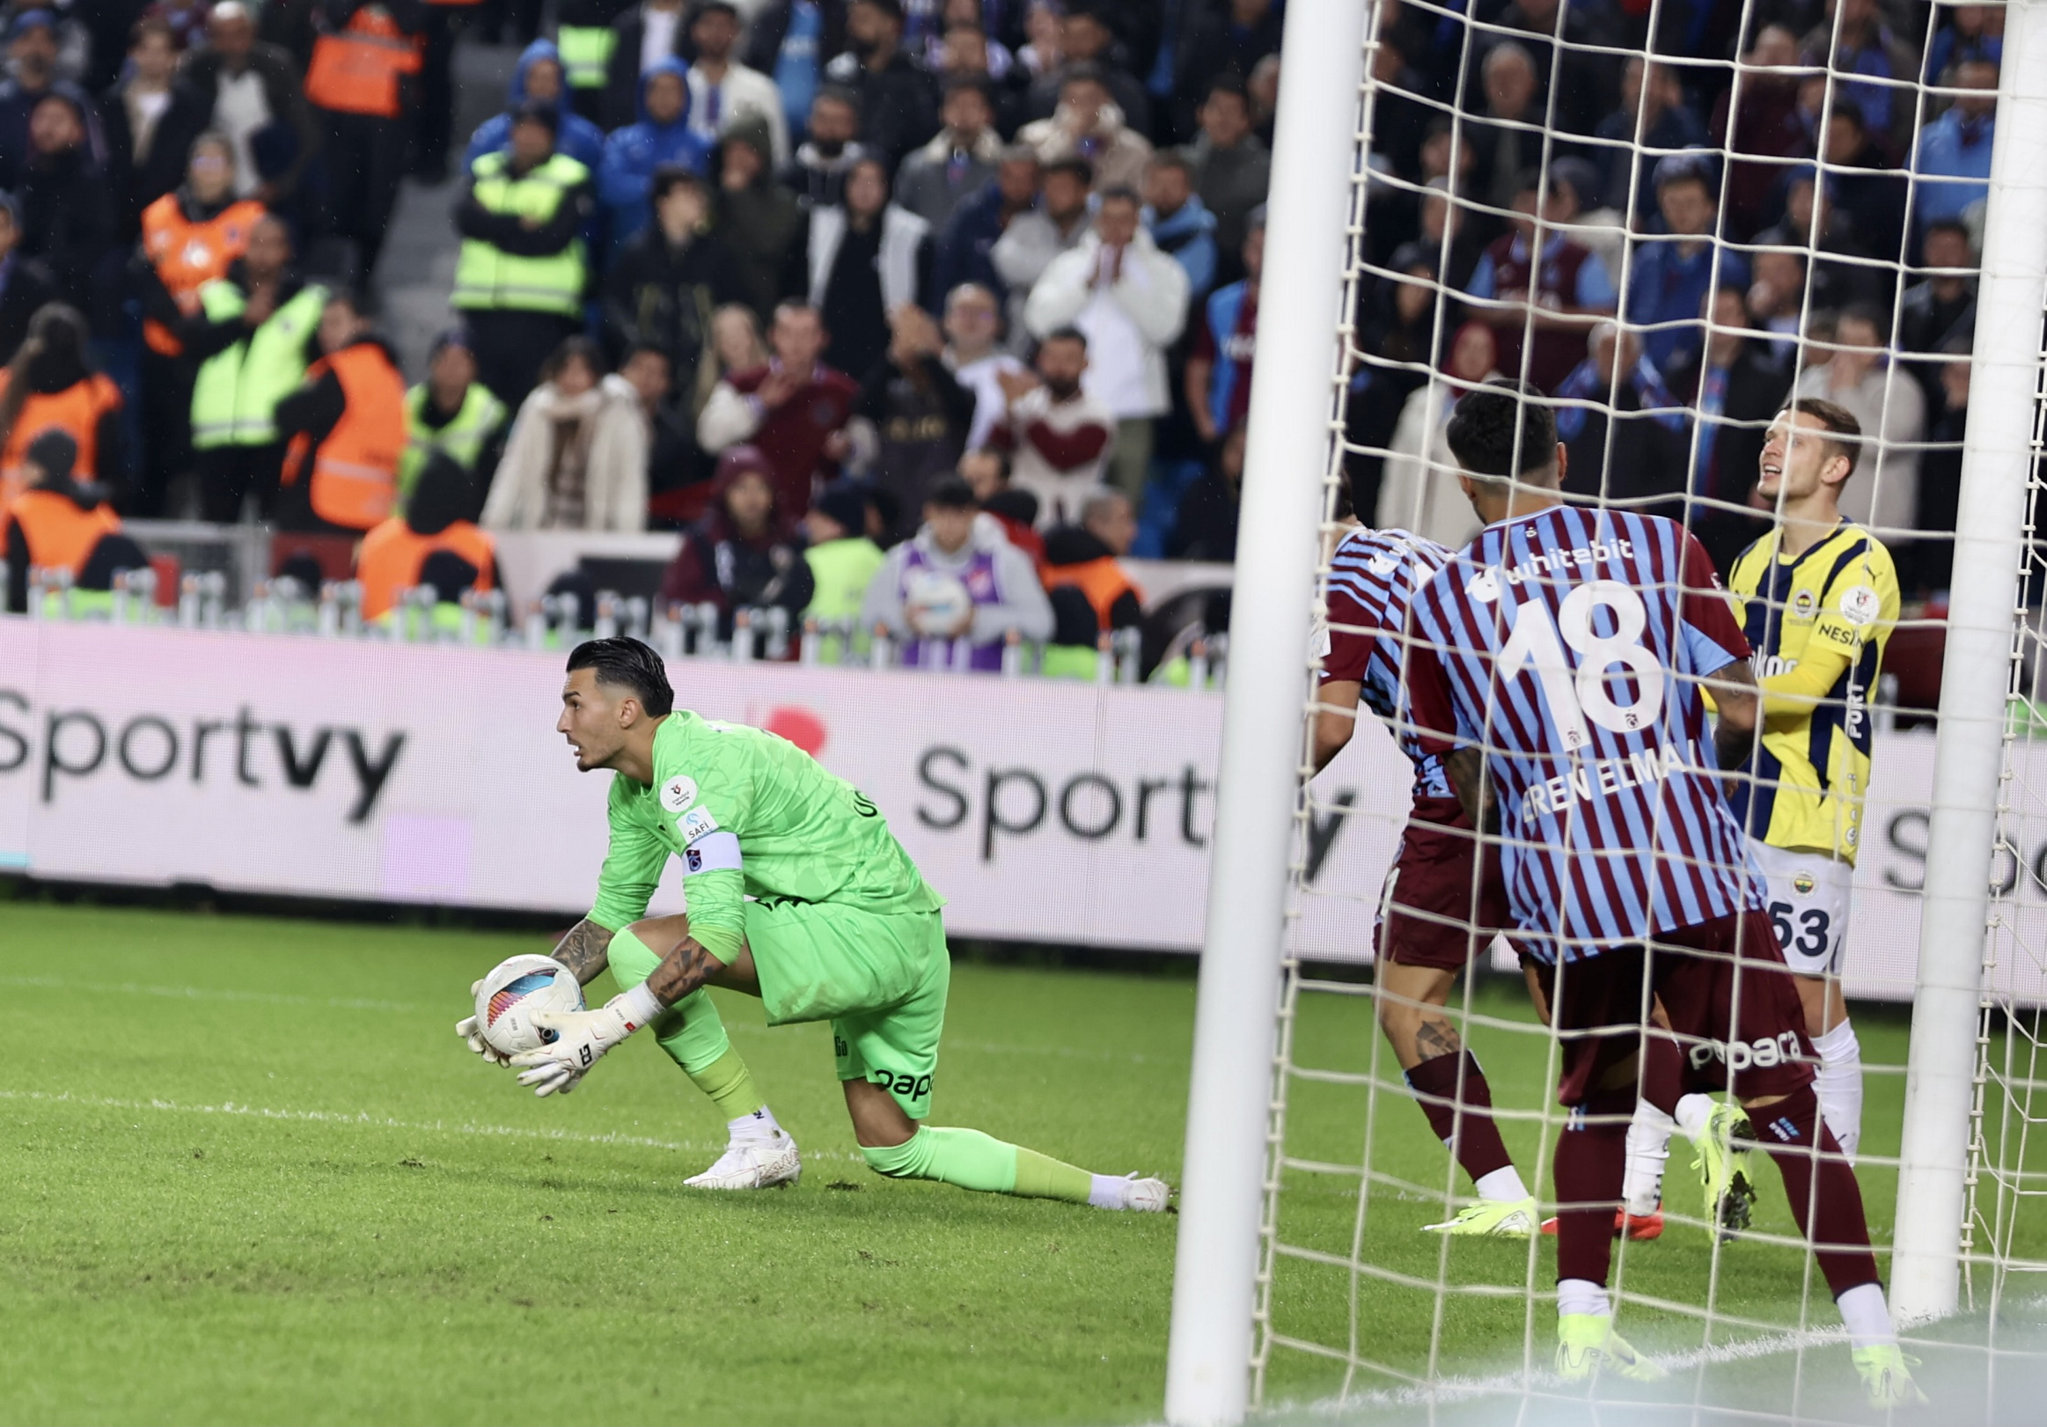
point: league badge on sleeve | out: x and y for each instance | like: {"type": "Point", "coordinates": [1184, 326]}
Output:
{"type": "Point", "coordinates": [1860, 605]}
{"type": "Point", "coordinates": [678, 793]}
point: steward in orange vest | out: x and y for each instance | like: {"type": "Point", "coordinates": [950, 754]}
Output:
{"type": "Point", "coordinates": [57, 523]}
{"type": "Point", "coordinates": [437, 520]}
{"type": "Point", "coordinates": [347, 429]}
{"type": "Point", "coordinates": [190, 238]}
{"type": "Point", "coordinates": [1076, 556]}
{"type": "Point", "coordinates": [361, 86]}
{"type": "Point", "coordinates": [58, 390]}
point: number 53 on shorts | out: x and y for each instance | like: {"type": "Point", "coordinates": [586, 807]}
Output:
{"type": "Point", "coordinates": [1808, 901]}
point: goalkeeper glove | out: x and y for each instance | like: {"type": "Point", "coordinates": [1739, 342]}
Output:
{"type": "Point", "coordinates": [473, 1033]}
{"type": "Point", "coordinates": [581, 1039]}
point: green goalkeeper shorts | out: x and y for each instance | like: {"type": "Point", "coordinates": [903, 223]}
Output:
{"type": "Point", "coordinates": [879, 978]}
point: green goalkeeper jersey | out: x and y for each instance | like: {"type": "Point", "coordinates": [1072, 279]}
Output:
{"type": "Point", "coordinates": [750, 814]}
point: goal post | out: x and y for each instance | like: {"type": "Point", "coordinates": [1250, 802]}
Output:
{"type": "Point", "coordinates": [1293, 421]}
{"type": "Point", "coordinates": [1990, 529]}
{"type": "Point", "coordinates": [1300, 1200]}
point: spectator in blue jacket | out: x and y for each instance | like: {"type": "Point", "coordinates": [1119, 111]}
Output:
{"type": "Point", "coordinates": [1673, 270]}
{"type": "Point", "coordinates": [537, 79]}
{"type": "Point", "coordinates": [662, 137]}
{"type": "Point", "coordinates": [1179, 222]}
{"type": "Point", "coordinates": [1957, 146]}
{"type": "Point", "coordinates": [1972, 32]}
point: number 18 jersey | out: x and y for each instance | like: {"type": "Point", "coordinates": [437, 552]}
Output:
{"type": "Point", "coordinates": [1567, 645]}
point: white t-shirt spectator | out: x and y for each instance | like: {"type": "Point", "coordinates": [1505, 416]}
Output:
{"type": "Point", "coordinates": [239, 109]}
{"type": "Point", "coordinates": [713, 109]}
{"type": "Point", "coordinates": [1129, 323]}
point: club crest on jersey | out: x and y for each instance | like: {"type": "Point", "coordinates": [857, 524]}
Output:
{"type": "Point", "coordinates": [1802, 604]}
{"type": "Point", "coordinates": [1860, 605]}
{"type": "Point", "coordinates": [1803, 884]}
{"type": "Point", "coordinates": [678, 793]}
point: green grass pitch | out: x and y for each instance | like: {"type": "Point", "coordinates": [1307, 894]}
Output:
{"type": "Point", "coordinates": [251, 1176]}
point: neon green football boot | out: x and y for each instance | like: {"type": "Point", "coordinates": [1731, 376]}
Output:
{"type": "Point", "coordinates": [1587, 1344]}
{"type": "Point", "coordinates": [1490, 1219]}
{"type": "Point", "coordinates": [1723, 1166]}
{"type": "Point", "coordinates": [1887, 1377]}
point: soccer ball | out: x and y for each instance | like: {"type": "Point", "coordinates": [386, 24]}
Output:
{"type": "Point", "coordinates": [935, 603]}
{"type": "Point", "coordinates": [507, 999]}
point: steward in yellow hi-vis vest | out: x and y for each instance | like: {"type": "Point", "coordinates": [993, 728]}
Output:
{"type": "Point", "coordinates": [522, 272]}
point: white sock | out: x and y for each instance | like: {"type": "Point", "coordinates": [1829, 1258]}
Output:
{"type": "Point", "coordinates": [1693, 1111]}
{"type": "Point", "coordinates": [1866, 1316]}
{"type": "Point", "coordinates": [1839, 1086]}
{"type": "Point", "coordinates": [1648, 1154]}
{"type": "Point", "coordinates": [1108, 1191]}
{"type": "Point", "coordinates": [1502, 1186]}
{"type": "Point", "coordinates": [759, 1125]}
{"type": "Point", "coordinates": [1582, 1295]}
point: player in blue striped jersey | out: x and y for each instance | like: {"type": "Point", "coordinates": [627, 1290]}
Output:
{"type": "Point", "coordinates": [1557, 666]}
{"type": "Point", "coordinates": [1443, 904]}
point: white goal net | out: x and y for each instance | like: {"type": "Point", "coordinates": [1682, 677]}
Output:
{"type": "Point", "coordinates": [1673, 219]}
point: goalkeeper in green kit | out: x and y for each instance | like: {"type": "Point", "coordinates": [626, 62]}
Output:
{"type": "Point", "coordinates": [799, 894]}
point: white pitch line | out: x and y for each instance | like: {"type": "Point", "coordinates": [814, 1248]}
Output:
{"type": "Point", "coordinates": [364, 1119]}
{"type": "Point", "coordinates": [1465, 1389]}
{"type": "Point", "coordinates": [357, 1003]}
{"type": "Point", "coordinates": [207, 993]}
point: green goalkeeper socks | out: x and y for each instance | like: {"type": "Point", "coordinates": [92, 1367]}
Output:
{"type": "Point", "coordinates": [972, 1160]}
{"type": "Point", "coordinates": [729, 1084]}
{"type": "Point", "coordinates": [691, 1032]}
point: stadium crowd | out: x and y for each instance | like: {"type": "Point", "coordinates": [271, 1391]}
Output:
{"type": "Point", "coordinates": [811, 280]}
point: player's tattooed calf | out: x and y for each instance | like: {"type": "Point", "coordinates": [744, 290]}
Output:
{"type": "Point", "coordinates": [1436, 1037]}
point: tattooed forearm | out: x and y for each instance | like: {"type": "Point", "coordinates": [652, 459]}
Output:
{"type": "Point", "coordinates": [682, 971]}
{"type": "Point", "coordinates": [583, 950]}
{"type": "Point", "coordinates": [1466, 768]}
{"type": "Point", "coordinates": [1436, 1037]}
{"type": "Point", "coordinates": [1735, 695]}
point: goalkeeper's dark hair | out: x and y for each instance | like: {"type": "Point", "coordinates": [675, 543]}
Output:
{"type": "Point", "coordinates": [1502, 431]}
{"type": "Point", "coordinates": [626, 663]}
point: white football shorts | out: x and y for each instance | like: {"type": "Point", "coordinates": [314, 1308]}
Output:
{"type": "Point", "coordinates": [1808, 905]}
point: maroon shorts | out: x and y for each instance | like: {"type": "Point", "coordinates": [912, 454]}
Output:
{"type": "Point", "coordinates": [1728, 995]}
{"type": "Point", "coordinates": [1435, 912]}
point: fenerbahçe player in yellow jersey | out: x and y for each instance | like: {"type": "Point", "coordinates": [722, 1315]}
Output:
{"type": "Point", "coordinates": [1818, 598]}
{"type": "Point", "coordinates": [1818, 622]}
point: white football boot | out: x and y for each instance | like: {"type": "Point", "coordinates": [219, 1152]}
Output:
{"type": "Point", "coordinates": [760, 1163]}
{"type": "Point", "coordinates": [1146, 1196]}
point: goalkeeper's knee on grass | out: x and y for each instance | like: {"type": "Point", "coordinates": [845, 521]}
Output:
{"type": "Point", "coordinates": [972, 1160]}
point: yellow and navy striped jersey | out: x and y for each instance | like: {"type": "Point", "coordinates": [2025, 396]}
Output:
{"type": "Point", "coordinates": [1838, 603]}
